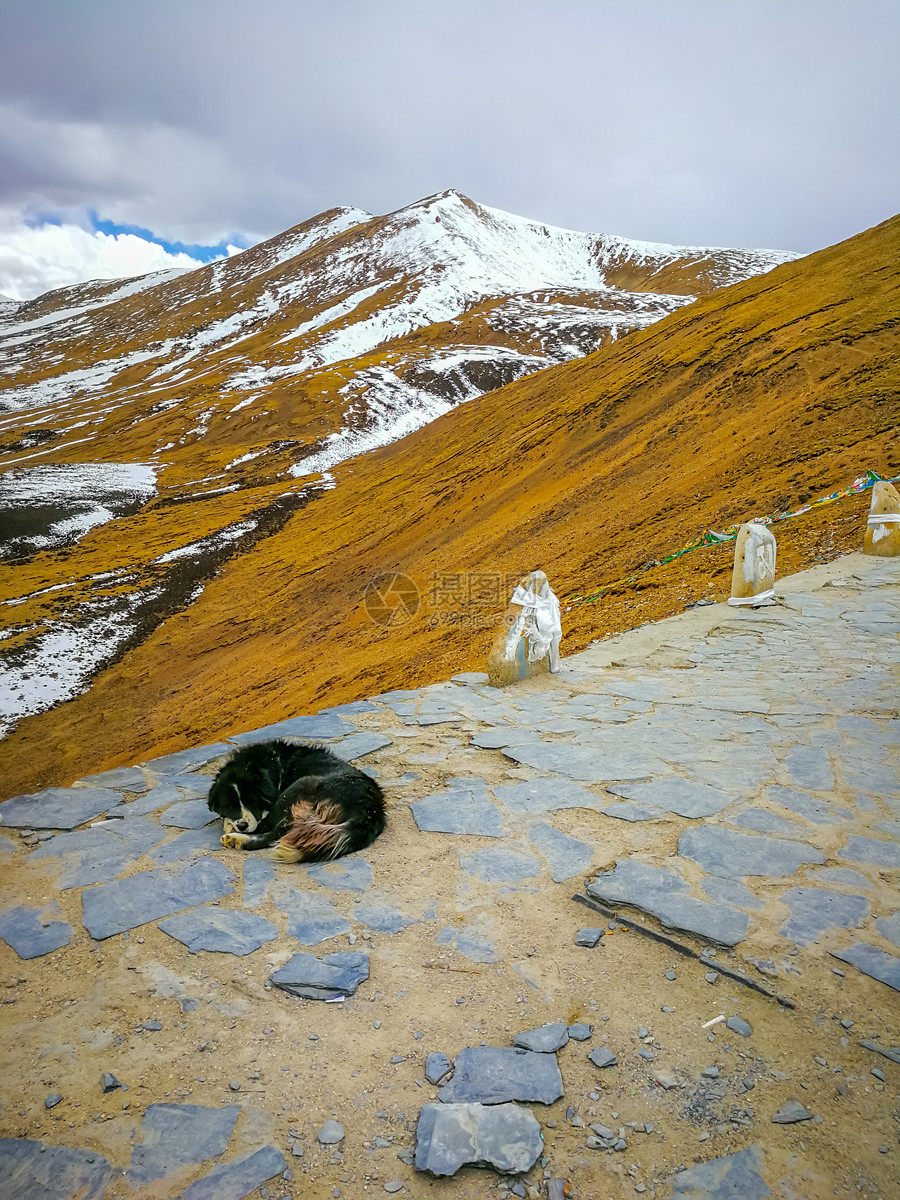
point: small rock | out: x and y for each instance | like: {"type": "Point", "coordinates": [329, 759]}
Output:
{"type": "Point", "coordinates": [646, 1054]}
{"type": "Point", "coordinates": [847, 1024]}
{"type": "Point", "coordinates": [545, 1040]}
{"type": "Point", "coordinates": [884, 1149]}
{"type": "Point", "coordinates": [297, 1150]}
{"type": "Point", "coordinates": [736, 1025]}
{"type": "Point", "coordinates": [666, 1080]}
{"type": "Point", "coordinates": [643, 1032]}
{"type": "Point", "coordinates": [397, 1058]}
{"type": "Point", "coordinates": [330, 1134]}
{"type": "Point", "coordinates": [234, 1084]}
{"type": "Point", "coordinates": [579, 1032]}
{"type": "Point", "coordinates": [394, 1185]}
{"type": "Point", "coordinates": [603, 1131]}
{"type": "Point", "coordinates": [152, 1026]}
{"type": "Point", "coordinates": [748, 1083]}
{"type": "Point", "coordinates": [52, 1100]}
{"type": "Point", "coordinates": [418, 1034]}
{"type": "Point", "coordinates": [790, 1113]}
{"type": "Point", "coordinates": [711, 976]}
{"type": "Point", "coordinates": [376, 1024]}
{"type": "Point", "coordinates": [603, 1057]}
{"type": "Point", "coordinates": [671, 976]}
{"type": "Point", "coordinates": [878, 1073]}
{"type": "Point", "coordinates": [108, 1083]}
{"type": "Point", "coordinates": [711, 1073]}
{"type": "Point", "coordinates": [437, 1067]}
{"type": "Point", "coordinates": [588, 937]}
{"type": "Point", "coordinates": [666, 1009]}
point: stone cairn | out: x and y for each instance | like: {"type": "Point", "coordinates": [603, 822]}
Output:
{"type": "Point", "coordinates": [883, 525]}
{"type": "Point", "coordinates": [753, 579]}
{"type": "Point", "coordinates": [528, 641]}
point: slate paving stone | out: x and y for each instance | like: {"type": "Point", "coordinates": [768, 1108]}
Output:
{"type": "Point", "coordinates": [359, 745]}
{"type": "Point", "coordinates": [326, 978]}
{"type": "Point", "coordinates": [469, 942]}
{"type": "Point", "coordinates": [121, 779]}
{"type": "Point", "coordinates": [809, 767]}
{"type": "Point", "coordinates": [733, 1177]}
{"type": "Point", "coordinates": [878, 964]}
{"type": "Point", "coordinates": [187, 760]}
{"type": "Point", "coordinates": [813, 910]}
{"type": "Point", "coordinates": [177, 1136]}
{"type": "Point", "coordinates": [761, 820]}
{"type": "Point", "coordinates": [349, 710]}
{"type": "Point", "coordinates": [496, 739]}
{"type": "Point", "coordinates": [889, 928]}
{"type": "Point", "coordinates": [891, 827]}
{"type": "Point", "coordinates": [634, 812]}
{"type": "Point", "coordinates": [545, 795]}
{"type": "Point", "coordinates": [566, 855]}
{"type": "Point", "coordinates": [463, 808]}
{"type": "Point", "coordinates": [112, 908]}
{"type": "Point", "coordinates": [192, 841]}
{"type": "Point", "coordinates": [726, 852]}
{"type": "Point", "coordinates": [503, 1136]}
{"type": "Point", "coordinates": [259, 874]}
{"type": "Point", "coordinates": [495, 1074]}
{"type": "Point", "coordinates": [33, 932]}
{"type": "Point", "coordinates": [729, 891]}
{"type": "Point", "coordinates": [32, 1170]}
{"type": "Point", "coordinates": [100, 853]}
{"type": "Point", "coordinates": [586, 763]}
{"type": "Point", "coordinates": [470, 677]}
{"type": "Point", "coordinates": [57, 808]}
{"type": "Point", "coordinates": [681, 796]}
{"type": "Point", "coordinates": [667, 897]}
{"type": "Point", "coordinates": [383, 918]}
{"type": "Point", "coordinates": [158, 797]}
{"type": "Point", "coordinates": [842, 876]}
{"type": "Point", "coordinates": [224, 930]}
{"type": "Point", "coordinates": [814, 809]}
{"type": "Point", "coordinates": [346, 875]}
{"type": "Point", "coordinates": [308, 728]}
{"type": "Point", "coordinates": [437, 1067]}
{"type": "Point", "coordinates": [500, 866]}
{"type": "Point", "coordinates": [238, 1178]}
{"type": "Point", "coordinates": [546, 1039]}
{"type": "Point", "coordinates": [871, 850]}
{"type": "Point", "coordinates": [311, 918]}
{"type": "Point", "coordinates": [188, 814]}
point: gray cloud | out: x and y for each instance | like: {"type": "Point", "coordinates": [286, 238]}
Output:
{"type": "Point", "coordinates": [754, 124]}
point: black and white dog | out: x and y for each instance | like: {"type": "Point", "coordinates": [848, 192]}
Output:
{"type": "Point", "coordinates": [304, 801]}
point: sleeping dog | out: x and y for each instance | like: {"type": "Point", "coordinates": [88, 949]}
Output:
{"type": "Point", "coordinates": [304, 801]}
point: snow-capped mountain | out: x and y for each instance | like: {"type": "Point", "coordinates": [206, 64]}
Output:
{"type": "Point", "coordinates": [161, 423]}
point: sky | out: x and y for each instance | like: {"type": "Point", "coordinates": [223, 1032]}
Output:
{"type": "Point", "coordinates": [142, 134]}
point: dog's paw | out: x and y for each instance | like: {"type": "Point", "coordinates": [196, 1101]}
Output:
{"type": "Point", "coordinates": [235, 841]}
{"type": "Point", "coordinates": [227, 825]}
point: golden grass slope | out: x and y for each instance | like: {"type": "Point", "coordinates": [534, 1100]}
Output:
{"type": "Point", "coordinates": [743, 403]}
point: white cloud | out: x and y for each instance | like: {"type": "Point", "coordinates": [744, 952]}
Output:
{"type": "Point", "coordinates": [37, 258]}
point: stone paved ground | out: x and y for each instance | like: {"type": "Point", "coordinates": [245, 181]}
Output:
{"type": "Point", "coordinates": [727, 777]}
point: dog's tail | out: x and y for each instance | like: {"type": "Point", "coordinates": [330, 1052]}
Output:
{"type": "Point", "coordinates": [318, 833]}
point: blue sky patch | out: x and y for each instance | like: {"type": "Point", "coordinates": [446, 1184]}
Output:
{"type": "Point", "coordinates": [195, 250]}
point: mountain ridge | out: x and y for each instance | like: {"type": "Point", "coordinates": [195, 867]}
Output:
{"type": "Point", "coordinates": [750, 396]}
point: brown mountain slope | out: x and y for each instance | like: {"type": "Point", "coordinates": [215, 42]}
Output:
{"type": "Point", "coordinates": [743, 403]}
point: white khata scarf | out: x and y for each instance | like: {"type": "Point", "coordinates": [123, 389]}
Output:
{"type": "Point", "coordinates": [544, 630]}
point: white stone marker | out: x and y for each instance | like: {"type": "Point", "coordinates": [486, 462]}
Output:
{"type": "Point", "coordinates": [753, 579]}
{"type": "Point", "coordinates": [528, 640]}
{"type": "Point", "coordinates": [883, 526]}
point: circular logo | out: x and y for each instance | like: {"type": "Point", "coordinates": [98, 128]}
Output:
{"type": "Point", "coordinates": [391, 599]}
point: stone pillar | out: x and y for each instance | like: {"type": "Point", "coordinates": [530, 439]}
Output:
{"type": "Point", "coordinates": [883, 526]}
{"type": "Point", "coordinates": [753, 579]}
{"type": "Point", "coordinates": [528, 641]}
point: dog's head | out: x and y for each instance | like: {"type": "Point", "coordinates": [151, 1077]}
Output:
{"type": "Point", "coordinates": [225, 799]}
